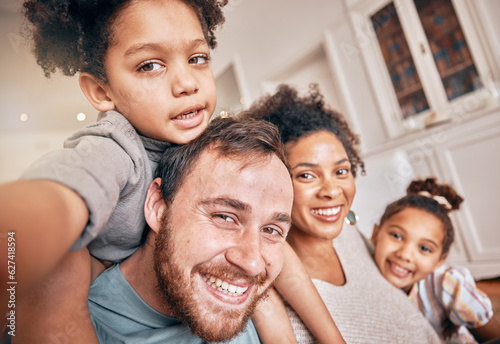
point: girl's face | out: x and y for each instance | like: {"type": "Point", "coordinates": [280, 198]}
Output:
{"type": "Point", "coordinates": [323, 185]}
{"type": "Point", "coordinates": [409, 246]}
{"type": "Point", "coordinates": [159, 72]}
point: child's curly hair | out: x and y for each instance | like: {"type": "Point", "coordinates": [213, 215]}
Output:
{"type": "Point", "coordinates": [297, 117]}
{"type": "Point", "coordinates": [415, 199]}
{"type": "Point", "coordinates": [74, 35]}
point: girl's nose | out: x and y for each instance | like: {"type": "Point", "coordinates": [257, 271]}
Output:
{"type": "Point", "coordinates": [183, 81]}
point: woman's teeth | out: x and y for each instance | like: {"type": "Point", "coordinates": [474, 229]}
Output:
{"type": "Point", "coordinates": [223, 286]}
{"type": "Point", "coordinates": [327, 211]}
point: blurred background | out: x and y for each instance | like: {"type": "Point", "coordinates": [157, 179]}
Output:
{"type": "Point", "coordinates": [418, 80]}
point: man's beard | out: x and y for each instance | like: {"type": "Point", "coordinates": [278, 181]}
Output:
{"type": "Point", "coordinates": [206, 320]}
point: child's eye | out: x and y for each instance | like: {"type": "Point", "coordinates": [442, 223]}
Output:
{"type": "Point", "coordinates": [425, 249]}
{"type": "Point", "coordinates": [199, 59]}
{"type": "Point", "coordinates": [149, 66]}
{"type": "Point", "coordinates": [395, 236]}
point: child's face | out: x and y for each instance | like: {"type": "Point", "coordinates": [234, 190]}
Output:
{"type": "Point", "coordinates": [408, 247]}
{"type": "Point", "coordinates": [158, 69]}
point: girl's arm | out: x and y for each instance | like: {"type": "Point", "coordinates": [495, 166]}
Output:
{"type": "Point", "coordinates": [295, 285]}
{"type": "Point", "coordinates": [487, 332]}
{"type": "Point", "coordinates": [40, 220]}
{"type": "Point", "coordinates": [271, 321]}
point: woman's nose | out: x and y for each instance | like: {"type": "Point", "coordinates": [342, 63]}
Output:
{"type": "Point", "coordinates": [329, 188]}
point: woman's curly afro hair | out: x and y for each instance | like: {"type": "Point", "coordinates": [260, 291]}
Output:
{"type": "Point", "coordinates": [74, 35]}
{"type": "Point", "coordinates": [297, 117]}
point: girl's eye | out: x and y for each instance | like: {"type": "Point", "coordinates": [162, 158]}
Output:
{"type": "Point", "coordinates": [149, 67]}
{"type": "Point", "coordinates": [199, 59]}
{"type": "Point", "coordinates": [395, 236]}
{"type": "Point", "coordinates": [425, 249]}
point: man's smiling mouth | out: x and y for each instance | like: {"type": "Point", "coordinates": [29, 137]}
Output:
{"type": "Point", "coordinates": [223, 286]}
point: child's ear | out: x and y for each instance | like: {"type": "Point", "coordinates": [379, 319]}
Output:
{"type": "Point", "coordinates": [442, 260]}
{"type": "Point", "coordinates": [96, 92]}
{"type": "Point", "coordinates": [154, 206]}
{"type": "Point", "coordinates": [374, 234]}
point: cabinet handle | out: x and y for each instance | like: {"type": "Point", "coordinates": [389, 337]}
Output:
{"type": "Point", "coordinates": [422, 48]}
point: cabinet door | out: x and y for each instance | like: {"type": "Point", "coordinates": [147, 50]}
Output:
{"type": "Point", "coordinates": [424, 58]}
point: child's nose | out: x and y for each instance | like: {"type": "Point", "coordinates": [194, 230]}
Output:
{"type": "Point", "coordinates": [183, 81]}
{"type": "Point", "coordinates": [405, 252]}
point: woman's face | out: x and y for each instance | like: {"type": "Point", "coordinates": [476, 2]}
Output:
{"type": "Point", "coordinates": [323, 185]}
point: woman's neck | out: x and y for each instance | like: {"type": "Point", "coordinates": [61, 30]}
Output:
{"type": "Point", "coordinates": [318, 257]}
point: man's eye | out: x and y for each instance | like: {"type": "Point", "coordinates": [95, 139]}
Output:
{"type": "Point", "coordinates": [149, 67]}
{"type": "Point", "coordinates": [270, 230]}
{"type": "Point", "coordinates": [224, 218]}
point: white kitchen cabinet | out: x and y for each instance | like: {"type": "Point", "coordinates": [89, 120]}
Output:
{"type": "Point", "coordinates": [427, 60]}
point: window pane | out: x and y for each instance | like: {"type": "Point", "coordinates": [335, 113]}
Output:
{"type": "Point", "coordinates": [449, 48]}
{"type": "Point", "coordinates": [399, 62]}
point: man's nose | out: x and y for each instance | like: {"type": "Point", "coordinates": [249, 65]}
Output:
{"type": "Point", "coordinates": [183, 80]}
{"type": "Point", "coordinates": [246, 253]}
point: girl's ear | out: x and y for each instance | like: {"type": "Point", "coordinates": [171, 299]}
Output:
{"type": "Point", "coordinates": [374, 234]}
{"type": "Point", "coordinates": [96, 92]}
{"type": "Point", "coordinates": [154, 206]}
{"type": "Point", "coordinates": [442, 260]}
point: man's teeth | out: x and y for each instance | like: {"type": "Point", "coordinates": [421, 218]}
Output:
{"type": "Point", "coordinates": [326, 212]}
{"type": "Point", "coordinates": [188, 115]}
{"type": "Point", "coordinates": [223, 286]}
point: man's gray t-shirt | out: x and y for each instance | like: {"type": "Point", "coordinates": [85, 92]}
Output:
{"type": "Point", "coordinates": [119, 315]}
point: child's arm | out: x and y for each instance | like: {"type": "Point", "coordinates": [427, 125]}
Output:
{"type": "Point", "coordinates": [489, 331]}
{"type": "Point", "coordinates": [56, 311]}
{"type": "Point", "coordinates": [44, 219]}
{"type": "Point", "coordinates": [297, 288]}
{"type": "Point", "coordinates": [271, 321]}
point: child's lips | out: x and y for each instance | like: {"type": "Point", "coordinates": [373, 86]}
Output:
{"type": "Point", "coordinates": [190, 118]}
{"type": "Point", "coordinates": [398, 270]}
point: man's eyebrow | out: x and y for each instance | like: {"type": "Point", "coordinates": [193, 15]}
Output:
{"type": "Point", "coordinates": [282, 217]}
{"type": "Point", "coordinates": [136, 48]}
{"type": "Point", "coordinates": [228, 202]}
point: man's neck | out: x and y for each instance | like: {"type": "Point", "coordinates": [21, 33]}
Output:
{"type": "Point", "coordinates": [139, 272]}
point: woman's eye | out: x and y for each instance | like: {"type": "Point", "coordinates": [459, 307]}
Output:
{"type": "Point", "coordinates": [343, 171]}
{"type": "Point", "coordinates": [305, 176]}
{"type": "Point", "coordinates": [149, 67]}
{"type": "Point", "coordinates": [199, 59]}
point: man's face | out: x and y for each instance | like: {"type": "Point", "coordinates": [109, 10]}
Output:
{"type": "Point", "coordinates": [220, 244]}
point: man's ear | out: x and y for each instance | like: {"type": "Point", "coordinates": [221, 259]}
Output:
{"type": "Point", "coordinates": [154, 206]}
{"type": "Point", "coordinates": [96, 92]}
{"type": "Point", "coordinates": [374, 234]}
